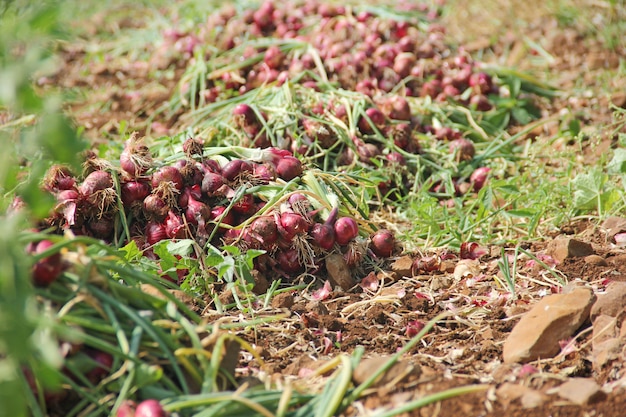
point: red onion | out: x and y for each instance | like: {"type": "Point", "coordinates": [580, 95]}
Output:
{"type": "Point", "coordinates": [150, 408]}
{"type": "Point", "coordinates": [377, 119]}
{"type": "Point", "coordinates": [346, 229]}
{"type": "Point", "coordinates": [134, 192]}
{"type": "Point", "coordinates": [396, 158]}
{"type": "Point", "coordinates": [197, 211]}
{"type": "Point", "coordinates": [288, 261]}
{"type": "Point", "coordinates": [265, 230]}
{"type": "Point", "coordinates": [126, 409]}
{"type": "Point", "coordinates": [191, 171]}
{"type": "Point", "coordinates": [383, 243]}
{"type": "Point", "coordinates": [367, 152]}
{"type": "Point", "coordinates": [104, 363]}
{"type": "Point", "coordinates": [324, 233]}
{"type": "Point", "coordinates": [67, 195]}
{"type": "Point", "coordinates": [481, 82]}
{"type": "Point", "coordinates": [291, 224]}
{"type": "Point", "coordinates": [244, 115]}
{"type": "Point", "coordinates": [273, 57]}
{"type": "Point", "coordinates": [395, 107]}
{"type": "Point", "coordinates": [155, 232]}
{"type": "Point", "coordinates": [228, 219]}
{"type": "Point", "coordinates": [289, 168]}
{"type": "Point", "coordinates": [463, 148]}
{"type": "Point", "coordinates": [58, 178]}
{"type": "Point", "coordinates": [46, 270]}
{"type": "Point", "coordinates": [235, 169]}
{"type": "Point", "coordinates": [480, 102]}
{"type": "Point", "coordinates": [96, 181]}
{"type": "Point", "coordinates": [211, 183]}
{"type": "Point", "coordinates": [245, 205]}
{"type": "Point", "coordinates": [101, 228]}
{"type": "Point", "coordinates": [193, 146]}
{"type": "Point", "coordinates": [264, 173]}
{"type": "Point", "coordinates": [211, 165]}
{"type": "Point", "coordinates": [174, 227]}
{"type": "Point", "coordinates": [168, 174]}
{"type": "Point", "coordinates": [135, 159]}
{"type": "Point", "coordinates": [155, 207]}
{"type": "Point", "coordinates": [478, 178]}
{"type": "Point", "coordinates": [194, 192]}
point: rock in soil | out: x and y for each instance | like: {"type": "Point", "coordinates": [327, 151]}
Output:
{"type": "Point", "coordinates": [339, 272]}
{"type": "Point", "coordinates": [562, 248]}
{"type": "Point", "coordinates": [508, 393]}
{"type": "Point", "coordinates": [612, 302]}
{"type": "Point", "coordinates": [596, 260]}
{"type": "Point", "coordinates": [554, 318]}
{"type": "Point", "coordinates": [399, 371]}
{"type": "Point", "coordinates": [581, 391]}
{"type": "Point", "coordinates": [614, 225]}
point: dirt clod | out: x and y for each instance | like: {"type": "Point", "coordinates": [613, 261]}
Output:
{"type": "Point", "coordinates": [612, 302]}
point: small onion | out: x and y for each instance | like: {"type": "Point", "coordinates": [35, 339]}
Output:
{"type": "Point", "coordinates": [479, 177]}
{"type": "Point", "coordinates": [288, 261]}
{"type": "Point", "coordinates": [292, 224]}
{"type": "Point", "coordinates": [212, 182]}
{"type": "Point", "coordinates": [155, 232]}
{"type": "Point", "coordinates": [126, 409]}
{"type": "Point", "coordinates": [155, 207]}
{"type": "Point", "coordinates": [346, 229]}
{"type": "Point", "coordinates": [96, 181]}
{"type": "Point", "coordinates": [463, 149]}
{"type": "Point", "coordinates": [168, 174]}
{"type": "Point", "coordinates": [103, 364]}
{"type": "Point", "coordinates": [383, 243]}
{"type": "Point", "coordinates": [265, 229]}
{"type": "Point", "coordinates": [150, 408]}
{"type": "Point", "coordinates": [133, 192]}
{"type": "Point", "coordinates": [377, 119]}
{"type": "Point", "coordinates": [289, 168]}
{"type": "Point", "coordinates": [174, 227]}
{"type": "Point", "coordinates": [135, 159]}
{"type": "Point", "coordinates": [46, 270]}
{"type": "Point", "coordinates": [235, 169]}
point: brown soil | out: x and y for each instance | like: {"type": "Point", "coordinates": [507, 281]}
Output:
{"type": "Point", "coordinates": [461, 350]}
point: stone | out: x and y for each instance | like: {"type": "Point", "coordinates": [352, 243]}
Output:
{"type": "Point", "coordinates": [596, 260]}
{"type": "Point", "coordinates": [604, 328]}
{"type": "Point", "coordinates": [532, 399]}
{"type": "Point", "coordinates": [402, 266]}
{"type": "Point", "coordinates": [338, 271]}
{"type": "Point", "coordinates": [554, 318]}
{"type": "Point", "coordinates": [581, 391]}
{"type": "Point", "coordinates": [562, 248]}
{"type": "Point", "coordinates": [399, 371]}
{"type": "Point", "coordinates": [612, 302]}
{"type": "Point", "coordinates": [605, 352]}
{"type": "Point", "coordinates": [614, 225]}
{"type": "Point", "coordinates": [508, 393]}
